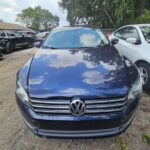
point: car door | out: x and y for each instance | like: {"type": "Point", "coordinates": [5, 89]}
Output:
{"type": "Point", "coordinates": [125, 48]}
{"type": "Point", "coordinates": [18, 39]}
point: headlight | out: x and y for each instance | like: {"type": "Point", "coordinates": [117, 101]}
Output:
{"type": "Point", "coordinates": [21, 93]}
{"type": "Point", "coordinates": [136, 88]}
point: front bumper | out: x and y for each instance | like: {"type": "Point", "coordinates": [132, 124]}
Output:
{"type": "Point", "coordinates": [78, 127]}
{"type": "Point", "coordinates": [80, 134]}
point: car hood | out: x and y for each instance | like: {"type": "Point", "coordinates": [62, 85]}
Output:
{"type": "Point", "coordinates": [77, 72]}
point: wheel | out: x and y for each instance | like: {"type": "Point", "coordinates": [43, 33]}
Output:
{"type": "Point", "coordinates": [145, 73]}
{"type": "Point", "coordinates": [1, 56]}
{"type": "Point", "coordinates": [29, 45]}
{"type": "Point", "coordinates": [9, 47]}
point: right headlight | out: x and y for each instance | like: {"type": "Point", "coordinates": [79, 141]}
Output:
{"type": "Point", "coordinates": [136, 88]}
{"type": "Point", "coordinates": [21, 93]}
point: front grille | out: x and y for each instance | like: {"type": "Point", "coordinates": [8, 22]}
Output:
{"type": "Point", "coordinates": [93, 106]}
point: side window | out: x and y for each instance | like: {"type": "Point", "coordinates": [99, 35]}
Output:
{"type": "Point", "coordinates": [122, 33]}
{"type": "Point", "coordinates": [2, 34]}
{"type": "Point", "coordinates": [133, 33]}
{"type": "Point", "coordinates": [127, 32]}
{"type": "Point", "coordinates": [10, 34]}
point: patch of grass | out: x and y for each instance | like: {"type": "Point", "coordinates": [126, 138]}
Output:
{"type": "Point", "coordinates": [121, 144]}
{"type": "Point", "coordinates": [147, 137]}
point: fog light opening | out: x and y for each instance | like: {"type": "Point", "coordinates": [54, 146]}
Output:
{"type": "Point", "coordinates": [124, 119]}
{"type": "Point", "coordinates": [35, 124]}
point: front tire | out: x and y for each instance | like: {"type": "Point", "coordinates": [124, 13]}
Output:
{"type": "Point", "coordinates": [1, 56]}
{"type": "Point", "coordinates": [145, 73]}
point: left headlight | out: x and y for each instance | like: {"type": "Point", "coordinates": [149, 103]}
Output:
{"type": "Point", "coordinates": [21, 93]}
{"type": "Point", "coordinates": [136, 88]}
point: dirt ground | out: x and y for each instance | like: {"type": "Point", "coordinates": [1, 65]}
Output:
{"type": "Point", "coordinates": [14, 135]}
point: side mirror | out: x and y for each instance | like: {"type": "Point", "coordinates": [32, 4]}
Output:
{"type": "Point", "coordinates": [132, 41]}
{"type": "Point", "coordinates": [114, 41]}
{"type": "Point", "coordinates": [37, 44]}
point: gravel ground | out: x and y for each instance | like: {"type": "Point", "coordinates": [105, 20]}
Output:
{"type": "Point", "coordinates": [14, 135]}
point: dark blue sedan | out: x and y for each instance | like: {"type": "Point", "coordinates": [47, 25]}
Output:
{"type": "Point", "coordinates": [77, 86]}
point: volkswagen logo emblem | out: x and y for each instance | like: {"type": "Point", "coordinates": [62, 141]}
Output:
{"type": "Point", "coordinates": [77, 107]}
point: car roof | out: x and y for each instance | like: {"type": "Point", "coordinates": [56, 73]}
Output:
{"type": "Point", "coordinates": [40, 33]}
{"type": "Point", "coordinates": [142, 24]}
{"type": "Point", "coordinates": [75, 27]}
{"type": "Point", "coordinates": [132, 25]}
{"type": "Point", "coordinates": [136, 25]}
{"type": "Point", "coordinates": [139, 25]}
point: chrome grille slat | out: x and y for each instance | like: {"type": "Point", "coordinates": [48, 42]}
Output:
{"type": "Point", "coordinates": [93, 106]}
{"type": "Point", "coordinates": [50, 101]}
{"type": "Point", "coordinates": [104, 101]}
{"type": "Point", "coordinates": [105, 105]}
{"type": "Point", "coordinates": [51, 106]}
{"type": "Point", "coordinates": [52, 111]}
{"type": "Point", "coordinates": [103, 110]}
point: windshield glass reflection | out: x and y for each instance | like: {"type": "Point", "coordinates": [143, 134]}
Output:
{"type": "Point", "coordinates": [75, 38]}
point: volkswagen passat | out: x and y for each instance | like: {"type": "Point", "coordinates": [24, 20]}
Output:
{"type": "Point", "coordinates": [77, 86]}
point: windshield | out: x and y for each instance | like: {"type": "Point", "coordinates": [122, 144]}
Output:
{"type": "Point", "coordinates": [75, 38]}
{"type": "Point", "coordinates": [146, 32]}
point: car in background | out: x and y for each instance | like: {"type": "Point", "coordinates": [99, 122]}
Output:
{"type": "Point", "coordinates": [133, 41]}
{"type": "Point", "coordinates": [27, 33]}
{"type": "Point", "coordinates": [77, 86]}
{"type": "Point", "coordinates": [11, 40]}
{"type": "Point", "coordinates": [40, 37]}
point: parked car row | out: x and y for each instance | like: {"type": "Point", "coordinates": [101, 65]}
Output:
{"type": "Point", "coordinates": [133, 42]}
{"type": "Point", "coordinates": [28, 34]}
{"type": "Point", "coordinates": [12, 40]}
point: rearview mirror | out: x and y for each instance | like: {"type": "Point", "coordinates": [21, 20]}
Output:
{"type": "Point", "coordinates": [114, 41]}
{"type": "Point", "coordinates": [37, 44]}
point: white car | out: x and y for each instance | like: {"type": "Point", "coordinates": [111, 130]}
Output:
{"type": "Point", "coordinates": [133, 42]}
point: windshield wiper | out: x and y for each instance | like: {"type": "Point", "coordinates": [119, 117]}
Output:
{"type": "Point", "coordinates": [51, 47]}
{"type": "Point", "coordinates": [97, 46]}
{"type": "Point", "coordinates": [86, 47]}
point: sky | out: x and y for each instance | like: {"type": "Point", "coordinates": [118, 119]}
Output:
{"type": "Point", "coordinates": [10, 8]}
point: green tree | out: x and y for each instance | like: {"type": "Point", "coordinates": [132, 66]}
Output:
{"type": "Point", "coordinates": [145, 17]}
{"type": "Point", "coordinates": [38, 18]}
{"type": "Point", "coordinates": [104, 13]}
{"type": "Point", "coordinates": [124, 11]}
{"type": "Point", "coordinates": [91, 12]}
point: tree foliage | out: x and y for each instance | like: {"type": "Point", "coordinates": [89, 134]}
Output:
{"type": "Point", "coordinates": [38, 18]}
{"type": "Point", "coordinates": [145, 17]}
{"type": "Point", "coordinates": [124, 11]}
{"type": "Point", "coordinates": [104, 13]}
